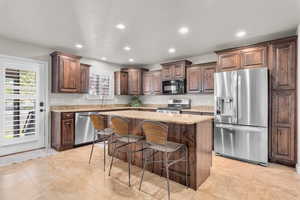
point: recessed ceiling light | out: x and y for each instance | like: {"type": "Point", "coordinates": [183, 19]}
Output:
{"type": "Point", "coordinates": [104, 58]}
{"type": "Point", "coordinates": [131, 60]}
{"type": "Point", "coordinates": [127, 48]}
{"type": "Point", "coordinates": [120, 26]}
{"type": "Point", "coordinates": [78, 46]}
{"type": "Point", "coordinates": [240, 34]}
{"type": "Point", "coordinates": [172, 50]}
{"type": "Point", "coordinates": [183, 30]}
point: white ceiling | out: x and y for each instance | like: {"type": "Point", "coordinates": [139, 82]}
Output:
{"type": "Point", "coordinates": [151, 25]}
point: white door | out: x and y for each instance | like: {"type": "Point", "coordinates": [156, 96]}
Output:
{"type": "Point", "coordinates": [22, 97]}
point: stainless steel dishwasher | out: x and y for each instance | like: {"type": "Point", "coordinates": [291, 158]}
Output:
{"type": "Point", "coordinates": [84, 130]}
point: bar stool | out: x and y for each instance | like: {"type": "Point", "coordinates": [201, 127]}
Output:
{"type": "Point", "coordinates": [156, 140]}
{"type": "Point", "coordinates": [121, 134]}
{"type": "Point", "coordinates": [104, 133]}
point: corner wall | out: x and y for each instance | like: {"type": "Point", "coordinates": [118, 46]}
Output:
{"type": "Point", "coordinates": [298, 102]}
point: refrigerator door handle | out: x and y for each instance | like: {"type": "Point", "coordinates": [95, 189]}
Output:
{"type": "Point", "coordinates": [234, 100]}
{"type": "Point", "coordinates": [239, 95]}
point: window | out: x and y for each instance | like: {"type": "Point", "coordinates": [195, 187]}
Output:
{"type": "Point", "coordinates": [100, 86]}
{"type": "Point", "coordinates": [19, 95]}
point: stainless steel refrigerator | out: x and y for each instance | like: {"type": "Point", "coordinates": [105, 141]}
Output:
{"type": "Point", "coordinates": [241, 114]}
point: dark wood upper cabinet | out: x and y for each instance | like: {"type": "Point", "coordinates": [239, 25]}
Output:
{"type": "Point", "coordinates": [167, 72]}
{"type": "Point", "coordinates": [208, 77]}
{"type": "Point", "coordinates": [179, 70]}
{"type": "Point", "coordinates": [147, 83]}
{"type": "Point", "coordinates": [65, 73]}
{"type": "Point", "coordinates": [242, 57]}
{"type": "Point", "coordinates": [283, 127]}
{"type": "Point", "coordinates": [84, 78]}
{"type": "Point", "coordinates": [135, 80]}
{"type": "Point", "coordinates": [283, 64]}
{"type": "Point", "coordinates": [229, 61]}
{"type": "Point", "coordinates": [156, 82]}
{"type": "Point", "coordinates": [152, 82]}
{"type": "Point", "coordinates": [200, 78]}
{"type": "Point", "coordinates": [194, 79]}
{"type": "Point", "coordinates": [254, 57]}
{"type": "Point", "coordinates": [175, 70]}
{"type": "Point", "coordinates": [121, 83]}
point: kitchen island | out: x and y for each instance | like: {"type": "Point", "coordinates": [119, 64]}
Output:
{"type": "Point", "coordinates": [193, 130]}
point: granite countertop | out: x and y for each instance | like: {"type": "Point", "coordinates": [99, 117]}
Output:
{"type": "Point", "coordinates": [88, 108]}
{"type": "Point", "coordinates": [162, 117]}
{"type": "Point", "coordinates": [99, 108]}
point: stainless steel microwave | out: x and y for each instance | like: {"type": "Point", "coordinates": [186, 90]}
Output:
{"type": "Point", "coordinates": [173, 87]}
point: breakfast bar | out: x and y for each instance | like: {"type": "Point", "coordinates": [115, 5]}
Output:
{"type": "Point", "coordinates": [195, 131]}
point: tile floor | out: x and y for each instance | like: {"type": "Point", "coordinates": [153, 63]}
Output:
{"type": "Point", "coordinates": [67, 176]}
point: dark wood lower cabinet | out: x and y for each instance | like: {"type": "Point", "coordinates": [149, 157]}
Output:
{"type": "Point", "coordinates": [67, 132]}
{"type": "Point", "coordinates": [62, 130]}
{"type": "Point", "coordinates": [283, 127]}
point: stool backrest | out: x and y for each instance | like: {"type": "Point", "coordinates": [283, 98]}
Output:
{"type": "Point", "coordinates": [155, 132]}
{"type": "Point", "coordinates": [98, 122]}
{"type": "Point", "coordinates": [120, 125]}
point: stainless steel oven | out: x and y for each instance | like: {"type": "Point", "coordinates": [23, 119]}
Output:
{"type": "Point", "coordinates": [173, 87]}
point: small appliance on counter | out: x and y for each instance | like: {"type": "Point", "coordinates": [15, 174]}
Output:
{"type": "Point", "coordinates": [173, 87]}
{"type": "Point", "coordinates": [241, 114]}
{"type": "Point", "coordinates": [175, 106]}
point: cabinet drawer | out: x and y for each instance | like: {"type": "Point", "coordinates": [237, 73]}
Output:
{"type": "Point", "coordinates": [67, 115]}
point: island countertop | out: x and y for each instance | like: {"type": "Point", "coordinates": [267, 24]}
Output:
{"type": "Point", "coordinates": [162, 117]}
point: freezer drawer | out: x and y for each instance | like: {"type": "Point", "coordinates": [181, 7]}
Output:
{"type": "Point", "coordinates": [242, 142]}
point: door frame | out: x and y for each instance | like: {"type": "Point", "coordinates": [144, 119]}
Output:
{"type": "Point", "coordinates": [44, 81]}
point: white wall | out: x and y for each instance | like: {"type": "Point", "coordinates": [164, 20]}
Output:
{"type": "Point", "coordinates": [25, 50]}
{"type": "Point", "coordinates": [80, 99]}
{"type": "Point", "coordinates": [197, 99]}
{"type": "Point", "coordinates": [298, 103]}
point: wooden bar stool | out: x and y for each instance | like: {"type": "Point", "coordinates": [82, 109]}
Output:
{"type": "Point", "coordinates": [100, 131]}
{"type": "Point", "coordinates": [156, 140]}
{"type": "Point", "coordinates": [121, 134]}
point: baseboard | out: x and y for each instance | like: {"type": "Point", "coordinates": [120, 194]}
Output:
{"type": "Point", "coordinates": [298, 168]}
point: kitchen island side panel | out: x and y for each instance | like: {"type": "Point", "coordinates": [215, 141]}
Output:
{"type": "Point", "coordinates": [197, 137]}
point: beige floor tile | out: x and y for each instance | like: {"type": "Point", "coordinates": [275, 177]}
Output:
{"type": "Point", "coordinates": [68, 176]}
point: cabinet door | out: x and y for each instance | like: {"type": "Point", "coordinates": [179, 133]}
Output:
{"type": "Point", "coordinates": [179, 71]}
{"type": "Point", "coordinates": [167, 72]}
{"type": "Point", "coordinates": [67, 131]}
{"type": "Point", "coordinates": [283, 126]}
{"type": "Point", "coordinates": [194, 79]}
{"type": "Point", "coordinates": [208, 78]}
{"type": "Point", "coordinates": [147, 83]}
{"type": "Point", "coordinates": [84, 78]}
{"type": "Point", "coordinates": [69, 75]}
{"type": "Point", "coordinates": [156, 82]}
{"type": "Point", "coordinates": [134, 82]}
{"type": "Point", "coordinates": [254, 57]}
{"type": "Point", "coordinates": [121, 83]}
{"type": "Point", "coordinates": [229, 61]}
{"type": "Point", "coordinates": [283, 65]}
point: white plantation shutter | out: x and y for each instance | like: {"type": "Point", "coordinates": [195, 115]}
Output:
{"type": "Point", "coordinates": [19, 110]}
{"type": "Point", "coordinates": [100, 86]}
